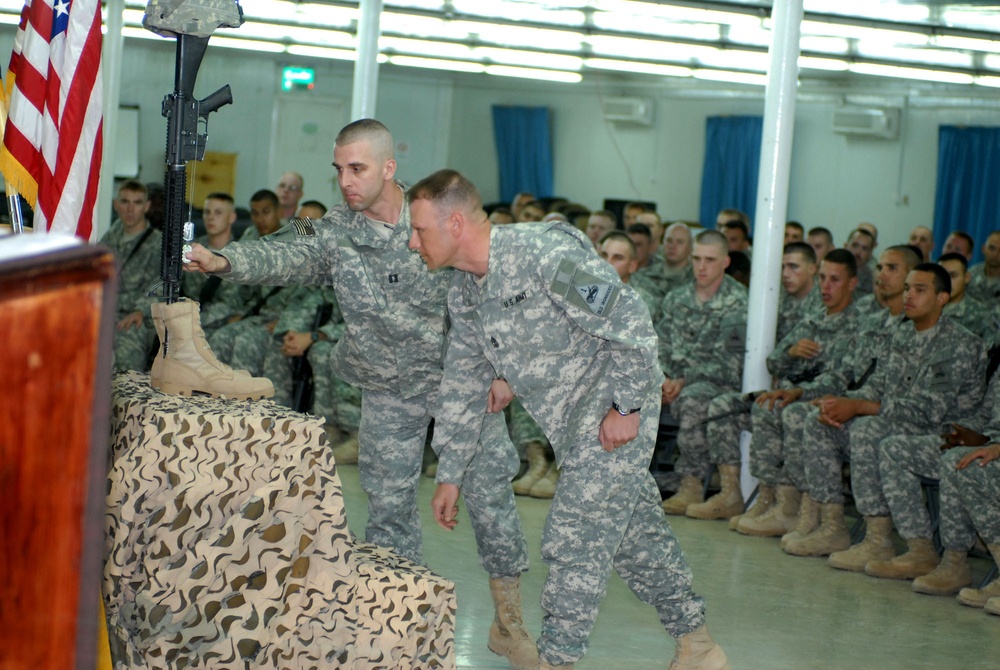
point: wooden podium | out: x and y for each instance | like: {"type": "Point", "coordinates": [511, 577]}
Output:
{"type": "Point", "coordinates": [56, 318]}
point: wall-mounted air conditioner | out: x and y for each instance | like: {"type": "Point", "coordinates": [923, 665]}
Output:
{"type": "Point", "coordinates": [867, 122]}
{"type": "Point", "coordinates": [628, 110]}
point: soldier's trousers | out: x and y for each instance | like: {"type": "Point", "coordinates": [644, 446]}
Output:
{"type": "Point", "coordinates": [606, 513]}
{"type": "Point", "coordinates": [522, 428]}
{"type": "Point", "coordinates": [970, 499]}
{"type": "Point", "coordinates": [132, 347]}
{"type": "Point", "coordinates": [690, 409]}
{"type": "Point", "coordinates": [333, 399]}
{"type": "Point", "coordinates": [724, 433]}
{"type": "Point", "coordinates": [391, 446]}
{"type": "Point", "coordinates": [776, 454]}
{"type": "Point", "coordinates": [903, 460]}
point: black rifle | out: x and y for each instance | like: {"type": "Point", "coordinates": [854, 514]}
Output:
{"type": "Point", "coordinates": [746, 402]}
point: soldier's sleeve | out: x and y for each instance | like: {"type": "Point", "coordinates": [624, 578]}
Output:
{"type": "Point", "coordinates": [838, 371]}
{"type": "Point", "coordinates": [301, 254]}
{"type": "Point", "coordinates": [300, 309]}
{"type": "Point", "coordinates": [664, 336]}
{"type": "Point", "coordinates": [462, 399]}
{"type": "Point", "coordinates": [724, 363]}
{"type": "Point", "coordinates": [779, 362]}
{"type": "Point", "coordinates": [592, 296]}
{"type": "Point", "coordinates": [334, 327]}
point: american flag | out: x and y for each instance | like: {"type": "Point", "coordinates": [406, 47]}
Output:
{"type": "Point", "coordinates": [52, 141]}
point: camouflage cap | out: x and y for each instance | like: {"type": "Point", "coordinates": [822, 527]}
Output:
{"type": "Point", "coordinates": [191, 17]}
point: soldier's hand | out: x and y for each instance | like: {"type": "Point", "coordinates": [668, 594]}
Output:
{"type": "Point", "coordinates": [203, 260]}
{"type": "Point", "coordinates": [805, 349]}
{"type": "Point", "coordinates": [499, 396]}
{"type": "Point", "coordinates": [617, 430]}
{"type": "Point", "coordinates": [984, 456]}
{"type": "Point", "coordinates": [444, 504]}
{"type": "Point", "coordinates": [958, 435]}
{"type": "Point", "coordinates": [836, 412]}
{"type": "Point", "coordinates": [296, 343]}
{"type": "Point", "coordinates": [131, 320]}
{"type": "Point", "coordinates": [671, 389]}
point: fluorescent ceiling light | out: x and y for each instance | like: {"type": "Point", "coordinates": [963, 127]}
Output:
{"type": "Point", "coordinates": [15, 19]}
{"type": "Point", "coordinates": [528, 58]}
{"type": "Point", "coordinates": [417, 4]}
{"type": "Point", "coordinates": [437, 64]}
{"type": "Point", "coordinates": [756, 35]}
{"type": "Point", "coordinates": [638, 67]}
{"type": "Point", "coordinates": [425, 48]}
{"type": "Point", "coordinates": [295, 34]}
{"type": "Point", "coordinates": [654, 10]}
{"type": "Point", "coordinates": [918, 56]}
{"type": "Point", "coordinates": [250, 45]}
{"type": "Point", "coordinates": [969, 17]}
{"type": "Point", "coordinates": [322, 52]}
{"type": "Point", "coordinates": [421, 26]}
{"type": "Point", "coordinates": [859, 33]}
{"type": "Point", "coordinates": [988, 81]}
{"type": "Point", "coordinates": [624, 47]}
{"type": "Point", "coordinates": [892, 11]}
{"type": "Point", "coordinates": [132, 17]}
{"type": "Point", "coordinates": [530, 73]}
{"type": "Point", "coordinates": [737, 59]}
{"type": "Point", "coordinates": [540, 12]}
{"type": "Point", "coordinates": [965, 43]}
{"type": "Point", "coordinates": [504, 35]}
{"type": "Point", "coordinates": [911, 73]}
{"type": "Point", "coordinates": [732, 77]}
{"type": "Point", "coordinates": [829, 64]}
{"type": "Point", "coordinates": [312, 13]}
{"type": "Point", "coordinates": [826, 45]}
{"type": "Point", "coordinates": [655, 26]}
{"type": "Point", "coordinates": [991, 62]}
{"type": "Point", "coordinates": [140, 33]}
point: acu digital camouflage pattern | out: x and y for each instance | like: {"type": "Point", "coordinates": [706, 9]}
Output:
{"type": "Point", "coordinates": [976, 317]}
{"type": "Point", "coordinates": [199, 18]}
{"type": "Point", "coordinates": [140, 271]}
{"type": "Point", "coordinates": [983, 288]}
{"type": "Point", "coordinates": [927, 378]}
{"type": "Point", "coordinates": [970, 499]}
{"type": "Point", "coordinates": [229, 299]}
{"type": "Point", "coordinates": [570, 339]}
{"type": "Point", "coordinates": [792, 310]}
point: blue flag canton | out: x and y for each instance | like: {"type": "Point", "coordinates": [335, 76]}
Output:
{"type": "Point", "coordinates": [60, 17]}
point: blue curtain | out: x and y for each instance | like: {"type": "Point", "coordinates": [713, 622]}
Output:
{"type": "Point", "coordinates": [524, 150]}
{"type": "Point", "coordinates": [732, 161]}
{"type": "Point", "coordinates": [968, 181]}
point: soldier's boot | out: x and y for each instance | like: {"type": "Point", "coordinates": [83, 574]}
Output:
{"type": "Point", "coordinates": [979, 597]}
{"type": "Point", "coordinates": [538, 465]}
{"type": "Point", "coordinates": [877, 546]}
{"type": "Point", "coordinates": [698, 651]}
{"type": "Point", "coordinates": [508, 637]}
{"type": "Point", "coordinates": [830, 537]}
{"type": "Point", "coordinates": [808, 521]}
{"type": "Point", "coordinates": [189, 365]}
{"type": "Point", "coordinates": [546, 486]}
{"type": "Point", "coordinates": [728, 502]}
{"type": "Point", "coordinates": [920, 559]}
{"type": "Point", "coordinates": [951, 574]}
{"type": "Point", "coordinates": [346, 453]}
{"type": "Point", "coordinates": [690, 492]}
{"type": "Point", "coordinates": [992, 606]}
{"type": "Point", "coordinates": [765, 498]}
{"type": "Point", "coordinates": [779, 520]}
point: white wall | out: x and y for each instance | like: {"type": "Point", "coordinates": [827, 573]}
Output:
{"type": "Point", "coordinates": [444, 120]}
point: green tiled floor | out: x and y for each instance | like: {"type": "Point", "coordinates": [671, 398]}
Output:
{"type": "Point", "coordinates": [770, 611]}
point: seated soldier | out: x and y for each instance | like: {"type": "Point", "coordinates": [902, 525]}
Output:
{"type": "Point", "coordinates": [651, 270]}
{"type": "Point", "coordinates": [542, 475]}
{"type": "Point", "coordinates": [619, 250]}
{"type": "Point", "coordinates": [701, 343]}
{"type": "Point", "coordinates": [929, 363]}
{"type": "Point", "coordinates": [861, 243]}
{"type": "Point", "coordinates": [963, 308]}
{"type": "Point", "coordinates": [798, 279]}
{"type": "Point", "coordinates": [820, 339]}
{"type": "Point", "coordinates": [677, 245]}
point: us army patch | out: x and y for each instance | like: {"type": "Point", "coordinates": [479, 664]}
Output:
{"type": "Point", "coordinates": [295, 228]}
{"type": "Point", "coordinates": [583, 289]}
{"type": "Point", "coordinates": [514, 300]}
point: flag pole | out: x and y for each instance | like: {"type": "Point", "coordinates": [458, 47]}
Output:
{"type": "Point", "coordinates": [13, 200]}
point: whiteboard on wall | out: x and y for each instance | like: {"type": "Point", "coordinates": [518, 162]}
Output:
{"type": "Point", "coordinates": [127, 142]}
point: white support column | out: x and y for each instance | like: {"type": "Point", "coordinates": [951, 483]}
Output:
{"type": "Point", "coordinates": [365, 94]}
{"type": "Point", "coordinates": [111, 67]}
{"type": "Point", "coordinates": [772, 205]}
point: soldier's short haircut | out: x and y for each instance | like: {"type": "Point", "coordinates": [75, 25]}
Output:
{"type": "Point", "coordinates": [313, 203]}
{"type": "Point", "coordinates": [955, 257]}
{"type": "Point", "coordinates": [676, 224]}
{"type": "Point", "coordinates": [619, 236]}
{"type": "Point", "coordinates": [912, 256]}
{"type": "Point", "coordinates": [845, 258]}
{"type": "Point", "coordinates": [796, 225]}
{"type": "Point", "coordinates": [942, 280]}
{"type": "Point", "coordinates": [802, 248]}
{"type": "Point", "coordinates": [447, 189]}
{"type": "Point", "coordinates": [737, 225]}
{"type": "Point", "coordinates": [731, 214]}
{"type": "Point", "coordinates": [219, 195]}
{"type": "Point", "coordinates": [134, 186]}
{"type": "Point", "coordinates": [640, 229]}
{"type": "Point", "coordinates": [860, 231]}
{"type": "Point", "coordinates": [820, 230]}
{"type": "Point", "coordinates": [609, 215]}
{"type": "Point", "coordinates": [368, 130]}
{"type": "Point", "coordinates": [265, 195]}
{"type": "Point", "coordinates": [713, 237]}
{"type": "Point", "coordinates": [962, 235]}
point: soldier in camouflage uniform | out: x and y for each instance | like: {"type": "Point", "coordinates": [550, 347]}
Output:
{"type": "Point", "coordinates": [931, 362]}
{"type": "Point", "coordinates": [618, 249]}
{"type": "Point", "coordinates": [798, 279]}
{"type": "Point", "coordinates": [536, 305]}
{"type": "Point", "coordinates": [984, 278]}
{"type": "Point", "coordinates": [651, 270]}
{"type": "Point", "coordinates": [391, 348]}
{"type": "Point", "coordinates": [963, 308]}
{"type": "Point", "coordinates": [677, 245]}
{"type": "Point", "coordinates": [701, 343]}
{"type": "Point", "coordinates": [137, 246]}
{"type": "Point", "coordinates": [861, 243]}
{"type": "Point", "coordinates": [819, 340]}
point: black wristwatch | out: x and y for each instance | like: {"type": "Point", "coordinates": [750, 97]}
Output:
{"type": "Point", "coordinates": [624, 412]}
{"type": "Point", "coordinates": [315, 335]}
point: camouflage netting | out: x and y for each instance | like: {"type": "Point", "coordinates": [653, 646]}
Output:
{"type": "Point", "coordinates": [227, 547]}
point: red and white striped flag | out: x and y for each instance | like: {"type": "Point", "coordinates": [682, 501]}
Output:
{"type": "Point", "coordinates": [52, 141]}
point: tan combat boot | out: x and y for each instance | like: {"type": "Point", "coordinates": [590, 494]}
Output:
{"type": "Point", "coordinates": [189, 365]}
{"type": "Point", "coordinates": [919, 560]}
{"type": "Point", "coordinates": [508, 637]}
{"type": "Point", "coordinates": [538, 465]}
{"type": "Point", "coordinates": [979, 597]}
{"type": "Point", "coordinates": [808, 520]}
{"type": "Point", "coordinates": [346, 453]}
{"type": "Point", "coordinates": [830, 537]}
{"type": "Point", "coordinates": [691, 491]}
{"type": "Point", "coordinates": [546, 486]}
{"type": "Point", "coordinates": [728, 502]}
{"type": "Point", "coordinates": [992, 606]}
{"type": "Point", "coordinates": [779, 520]}
{"type": "Point", "coordinates": [698, 651]}
{"type": "Point", "coordinates": [765, 498]}
{"type": "Point", "coordinates": [877, 546]}
{"type": "Point", "coordinates": [951, 574]}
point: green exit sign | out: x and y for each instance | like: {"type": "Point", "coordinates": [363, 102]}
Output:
{"type": "Point", "coordinates": [293, 78]}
